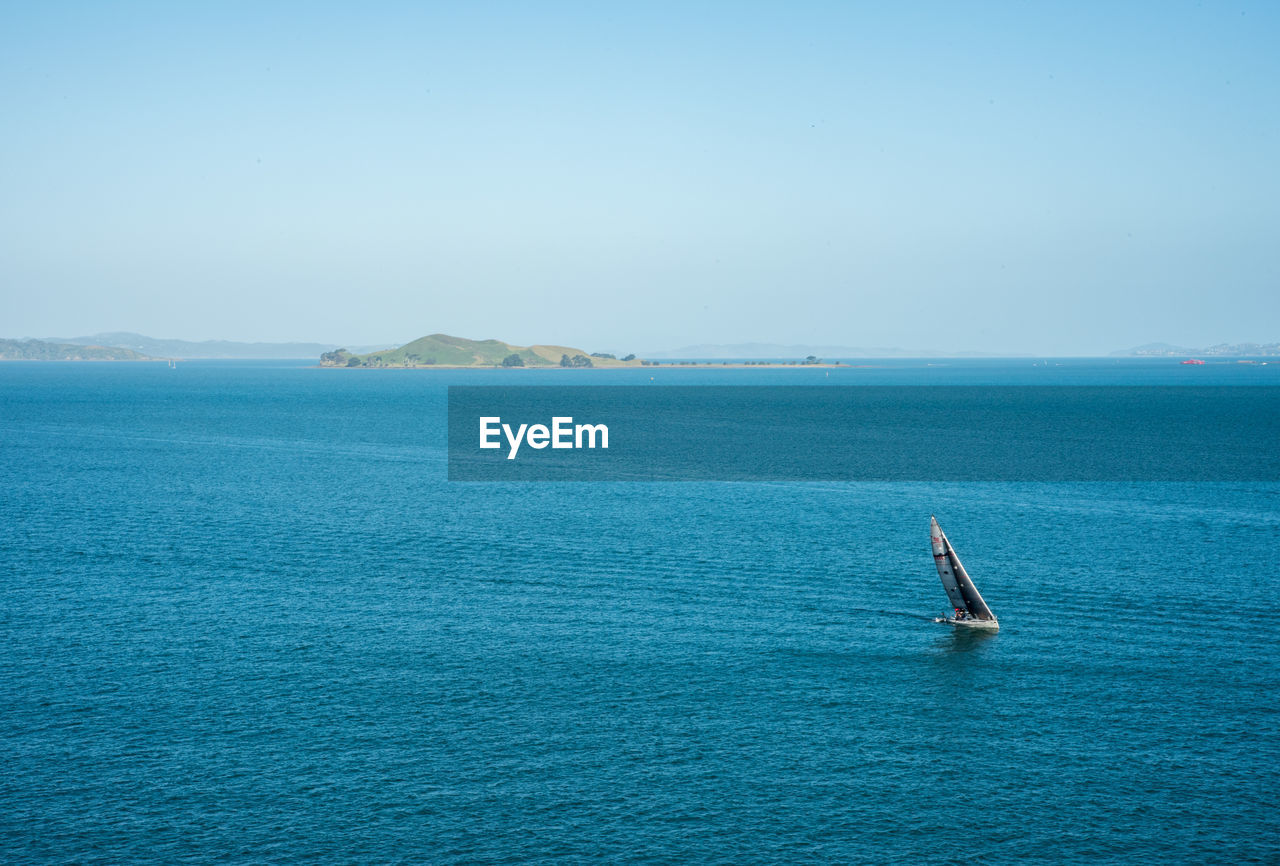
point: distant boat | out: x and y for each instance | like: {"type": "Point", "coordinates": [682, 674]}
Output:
{"type": "Point", "coordinates": [1193, 361]}
{"type": "Point", "coordinates": [969, 608]}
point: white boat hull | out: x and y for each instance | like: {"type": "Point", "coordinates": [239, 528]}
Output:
{"type": "Point", "coordinates": [989, 624]}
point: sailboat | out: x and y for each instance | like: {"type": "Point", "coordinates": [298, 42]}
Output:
{"type": "Point", "coordinates": [970, 610]}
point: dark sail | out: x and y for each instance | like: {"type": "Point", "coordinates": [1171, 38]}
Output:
{"type": "Point", "coordinates": [955, 580]}
{"type": "Point", "coordinates": [972, 599]}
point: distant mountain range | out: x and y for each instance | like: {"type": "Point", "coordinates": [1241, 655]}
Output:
{"type": "Point", "coordinates": [43, 350]}
{"type": "Point", "coordinates": [758, 351]}
{"type": "Point", "coordinates": [767, 351]}
{"type": "Point", "coordinates": [222, 349]}
{"type": "Point", "coordinates": [458, 351]}
{"type": "Point", "coordinates": [1230, 350]}
{"type": "Point", "coordinates": [443, 350]}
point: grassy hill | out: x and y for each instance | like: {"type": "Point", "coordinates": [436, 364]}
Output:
{"type": "Point", "coordinates": [442, 350]}
{"type": "Point", "coordinates": [40, 350]}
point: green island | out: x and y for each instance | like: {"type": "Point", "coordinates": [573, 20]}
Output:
{"type": "Point", "coordinates": [442, 350]}
{"type": "Point", "coordinates": [41, 350]}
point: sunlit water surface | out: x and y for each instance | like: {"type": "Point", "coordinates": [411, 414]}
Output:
{"type": "Point", "coordinates": [245, 617]}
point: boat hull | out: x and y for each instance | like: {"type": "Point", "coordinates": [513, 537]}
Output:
{"type": "Point", "coordinates": [987, 624]}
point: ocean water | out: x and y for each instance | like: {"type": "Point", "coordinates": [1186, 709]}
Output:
{"type": "Point", "coordinates": [247, 619]}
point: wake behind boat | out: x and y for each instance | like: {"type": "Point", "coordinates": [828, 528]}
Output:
{"type": "Point", "coordinates": [970, 610]}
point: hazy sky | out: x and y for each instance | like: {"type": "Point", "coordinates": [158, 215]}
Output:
{"type": "Point", "coordinates": [1048, 178]}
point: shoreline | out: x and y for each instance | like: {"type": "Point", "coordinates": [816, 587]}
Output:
{"type": "Point", "coordinates": [698, 366]}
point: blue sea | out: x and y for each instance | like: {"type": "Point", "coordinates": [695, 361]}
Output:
{"type": "Point", "coordinates": [246, 618]}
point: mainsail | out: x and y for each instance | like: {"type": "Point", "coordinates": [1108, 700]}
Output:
{"type": "Point", "coordinates": [955, 580]}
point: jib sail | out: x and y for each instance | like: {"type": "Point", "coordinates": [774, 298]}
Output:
{"type": "Point", "coordinates": [955, 580]}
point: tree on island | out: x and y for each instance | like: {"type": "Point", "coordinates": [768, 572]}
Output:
{"type": "Point", "coordinates": [575, 361]}
{"type": "Point", "coordinates": [353, 361]}
{"type": "Point", "coordinates": [630, 357]}
{"type": "Point", "coordinates": [513, 360]}
{"type": "Point", "coordinates": [604, 355]}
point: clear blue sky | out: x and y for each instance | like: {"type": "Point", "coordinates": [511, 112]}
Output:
{"type": "Point", "coordinates": [1019, 177]}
